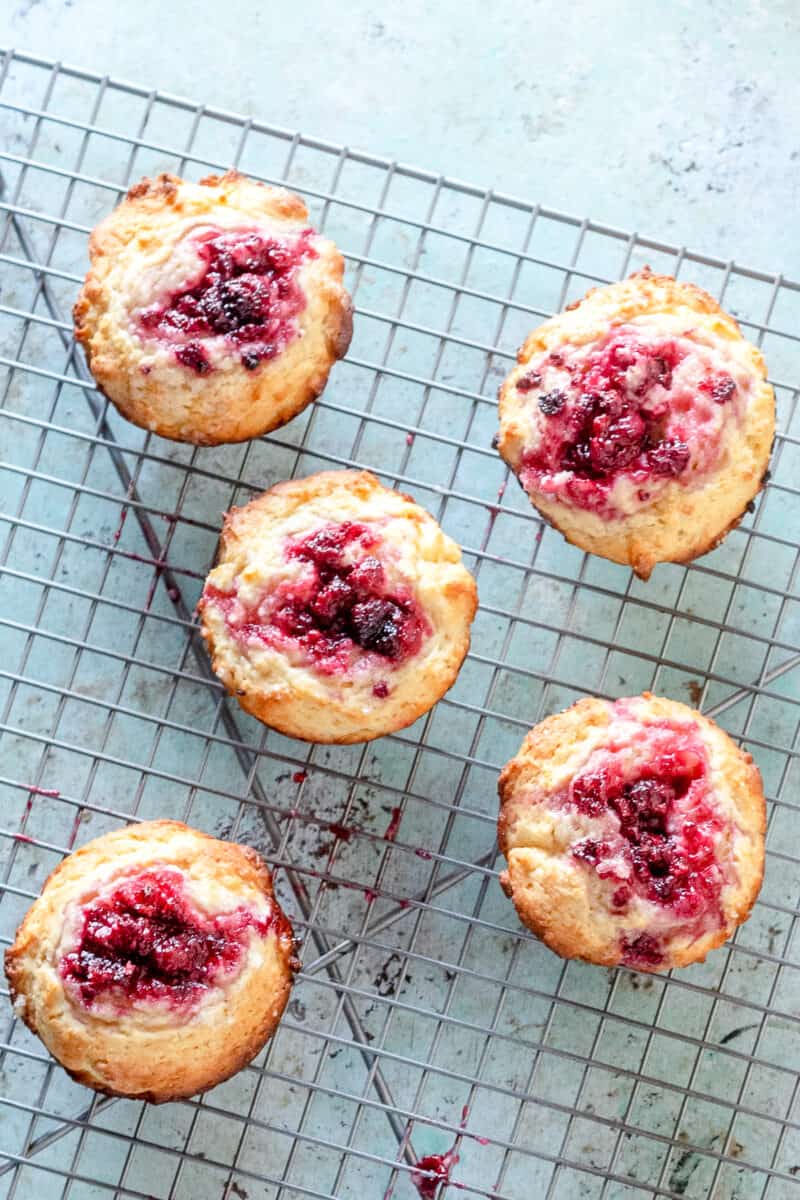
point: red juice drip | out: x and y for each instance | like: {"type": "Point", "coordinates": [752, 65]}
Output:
{"type": "Point", "coordinates": [394, 824]}
{"type": "Point", "coordinates": [432, 1171]}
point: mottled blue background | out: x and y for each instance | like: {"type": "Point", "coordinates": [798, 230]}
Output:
{"type": "Point", "coordinates": [677, 119]}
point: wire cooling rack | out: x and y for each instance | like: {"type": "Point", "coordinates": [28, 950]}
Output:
{"type": "Point", "coordinates": [425, 1020]}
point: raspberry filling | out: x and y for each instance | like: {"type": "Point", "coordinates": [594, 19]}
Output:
{"type": "Point", "coordinates": [632, 407]}
{"type": "Point", "coordinates": [660, 844]}
{"type": "Point", "coordinates": [643, 951]}
{"type": "Point", "coordinates": [246, 292]}
{"type": "Point", "coordinates": [145, 941]}
{"type": "Point", "coordinates": [341, 603]}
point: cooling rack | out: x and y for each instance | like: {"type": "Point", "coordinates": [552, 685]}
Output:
{"type": "Point", "coordinates": [432, 1047]}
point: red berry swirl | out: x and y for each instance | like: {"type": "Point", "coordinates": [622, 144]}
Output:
{"type": "Point", "coordinates": [658, 833]}
{"type": "Point", "coordinates": [611, 423]}
{"type": "Point", "coordinates": [339, 607]}
{"type": "Point", "coordinates": [145, 940]}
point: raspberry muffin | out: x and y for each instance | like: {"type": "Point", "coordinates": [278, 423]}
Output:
{"type": "Point", "coordinates": [634, 833]}
{"type": "Point", "coordinates": [156, 962]}
{"type": "Point", "coordinates": [639, 422]}
{"type": "Point", "coordinates": [339, 610]}
{"type": "Point", "coordinates": [212, 312]}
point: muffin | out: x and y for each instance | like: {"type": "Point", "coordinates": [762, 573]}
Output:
{"type": "Point", "coordinates": [156, 962]}
{"type": "Point", "coordinates": [212, 312]}
{"type": "Point", "coordinates": [639, 422]}
{"type": "Point", "coordinates": [338, 610]}
{"type": "Point", "coordinates": [633, 831]}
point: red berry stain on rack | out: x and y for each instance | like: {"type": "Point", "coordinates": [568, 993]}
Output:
{"type": "Point", "coordinates": [246, 292]}
{"type": "Point", "coordinates": [370, 893]}
{"type": "Point", "coordinates": [77, 821]}
{"type": "Point", "coordinates": [394, 824]}
{"type": "Point", "coordinates": [122, 519]}
{"type": "Point", "coordinates": [160, 565]}
{"type": "Point", "coordinates": [432, 1172]}
{"type": "Point", "coordinates": [342, 833]}
{"type": "Point", "coordinates": [482, 1141]}
{"type": "Point", "coordinates": [33, 790]}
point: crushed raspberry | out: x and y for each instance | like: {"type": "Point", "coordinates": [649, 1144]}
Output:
{"type": "Point", "coordinates": [193, 355]}
{"type": "Point", "coordinates": [615, 414]}
{"type": "Point", "coordinates": [721, 388]}
{"type": "Point", "coordinates": [146, 941]}
{"type": "Point", "coordinates": [342, 603]}
{"type": "Point", "coordinates": [380, 625]}
{"type": "Point", "coordinates": [552, 402]}
{"type": "Point", "coordinates": [529, 381]}
{"type": "Point", "coordinates": [328, 544]}
{"type": "Point", "coordinates": [643, 950]}
{"type": "Point", "coordinates": [590, 792]}
{"type": "Point", "coordinates": [591, 850]}
{"type": "Point", "coordinates": [667, 831]}
{"type": "Point", "coordinates": [668, 458]}
{"type": "Point", "coordinates": [247, 292]}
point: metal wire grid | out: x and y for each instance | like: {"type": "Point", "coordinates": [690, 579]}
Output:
{"type": "Point", "coordinates": [424, 1018]}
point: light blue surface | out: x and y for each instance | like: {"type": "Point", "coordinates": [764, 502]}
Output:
{"type": "Point", "coordinates": [677, 119]}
